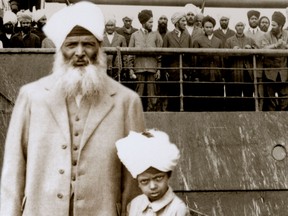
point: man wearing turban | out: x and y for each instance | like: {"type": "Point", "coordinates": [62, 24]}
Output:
{"type": "Point", "coordinates": [127, 29]}
{"type": "Point", "coordinates": [256, 34]}
{"type": "Point", "coordinates": [211, 76]}
{"type": "Point", "coordinates": [177, 38]}
{"type": "Point", "coordinates": [254, 31]}
{"type": "Point", "coordinates": [40, 19]}
{"type": "Point", "coordinates": [191, 12]}
{"type": "Point", "coordinates": [241, 74]}
{"type": "Point", "coordinates": [113, 39]}
{"type": "Point", "coordinates": [60, 157]}
{"type": "Point", "coordinates": [25, 38]}
{"type": "Point", "coordinates": [146, 68]}
{"type": "Point", "coordinates": [9, 21]}
{"type": "Point", "coordinates": [276, 38]}
{"type": "Point", "coordinates": [224, 32]}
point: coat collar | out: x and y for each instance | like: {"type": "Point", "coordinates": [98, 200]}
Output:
{"type": "Point", "coordinates": [100, 107]}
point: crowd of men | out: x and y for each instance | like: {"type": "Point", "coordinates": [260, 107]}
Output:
{"type": "Point", "coordinates": [23, 29]}
{"type": "Point", "coordinates": [209, 88]}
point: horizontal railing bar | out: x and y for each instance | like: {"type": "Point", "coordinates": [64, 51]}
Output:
{"type": "Point", "coordinates": [208, 3]}
{"type": "Point", "coordinates": [161, 51]}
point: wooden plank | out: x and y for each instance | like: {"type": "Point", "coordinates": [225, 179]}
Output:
{"type": "Point", "coordinates": [247, 203]}
{"type": "Point", "coordinates": [226, 151]}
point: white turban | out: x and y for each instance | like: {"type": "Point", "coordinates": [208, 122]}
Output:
{"type": "Point", "coordinates": [9, 16]}
{"type": "Point", "coordinates": [38, 14]}
{"type": "Point", "coordinates": [139, 152]}
{"type": "Point", "coordinates": [24, 15]}
{"type": "Point", "coordinates": [177, 16]}
{"type": "Point", "coordinates": [110, 19]}
{"type": "Point", "coordinates": [129, 17]}
{"type": "Point", "coordinates": [84, 14]}
{"type": "Point", "coordinates": [240, 22]}
{"type": "Point", "coordinates": [191, 8]}
{"type": "Point", "coordinates": [221, 16]}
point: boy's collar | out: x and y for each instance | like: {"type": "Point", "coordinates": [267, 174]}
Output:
{"type": "Point", "coordinates": [159, 204]}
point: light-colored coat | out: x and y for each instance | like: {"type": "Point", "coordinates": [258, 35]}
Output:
{"type": "Point", "coordinates": [117, 41]}
{"type": "Point", "coordinates": [36, 177]}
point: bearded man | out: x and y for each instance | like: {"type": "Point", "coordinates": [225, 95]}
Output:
{"type": "Point", "coordinates": [25, 38]}
{"type": "Point", "coordinates": [60, 156]}
{"type": "Point", "coordinates": [9, 21]}
{"type": "Point", "coordinates": [162, 25]}
{"type": "Point", "coordinates": [276, 73]}
{"type": "Point", "coordinates": [40, 19]}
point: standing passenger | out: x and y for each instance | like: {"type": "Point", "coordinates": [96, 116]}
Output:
{"type": "Point", "coordinates": [162, 25]}
{"type": "Point", "coordinates": [256, 34]}
{"type": "Point", "coordinates": [242, 78]}
{"type": "Point", "coordinates": [146, 68]}
{"type": "Point", "coordinates": [40, 19]}
{"type": "Point", "coordinates": [25, 38]}
{"type": "Point", "coordinates": [276, 79]}
{"type": "Point", "coordinates": [224, 32]}
{"type": "Point", "coordinates": [191, 12]}
{"type": "Point", "coordinates": [211, 76]}
{"type": "Point", "coordinates": [254, 31]}
{"type": "Point", "coordinates": [161, 91]}
{"type": "Point", "coordinates": [127, 29]}
{"type": "Point", "coordinates": [9, 21]}
{"type": "Point", "coordinates": [113, 39]}
{"type": "Point", "coordinates": [178, 38]}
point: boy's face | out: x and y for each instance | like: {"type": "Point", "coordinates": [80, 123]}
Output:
{"type": "Point", "coordinates": [153, 183]}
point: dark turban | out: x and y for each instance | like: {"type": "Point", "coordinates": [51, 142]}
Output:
{"type": "Point", "coordinates": [279, 18]}
{"type": "Point", "coordinates": [208, 19]}
{"type": "Point", "coordinates": [253, 13]}
{"type": "Point", "coordinates": [144, 16]}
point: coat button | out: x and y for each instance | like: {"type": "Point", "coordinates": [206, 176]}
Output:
{"type": "Point", "coordinates": [74, 163]}
{"type": "Point", "coordinates": [61, 171]}
{"type": "Point", "coordinates": [60, 196]}
{"type": "Point", "coordinates": [75, 148]}
{"type": "Point", "coordinates": [77, 118]}
{"type": "Point", "coordinates": [73, 178]}
{"type": "Point", "coordinates": [76, 134]}
{"type": "Point", "coordinates": [64, 146]}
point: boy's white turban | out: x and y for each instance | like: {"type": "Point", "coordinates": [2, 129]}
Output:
{"type": "Point", "coordinates": [139, 152]}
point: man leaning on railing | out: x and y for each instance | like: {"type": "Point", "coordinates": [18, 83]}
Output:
{"type": "Point", "coordinates": [275, 72]}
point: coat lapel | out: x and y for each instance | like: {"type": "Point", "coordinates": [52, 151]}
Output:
{"type": "Point", "coordinates": [57, 104]}
{"type": "Point", "coordinates": [98, 110]}
{"type": "Point", "coordinates": [176, 38]}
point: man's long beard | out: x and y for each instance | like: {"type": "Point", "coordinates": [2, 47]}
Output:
{"type": "Point", "coordinates": [86, 81]}
{"type": "Point", "coordinates": [162, 28]}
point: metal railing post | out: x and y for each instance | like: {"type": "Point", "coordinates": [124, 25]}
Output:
{"type": "Point", "coordinates": [181, 83]}
{"type": "Point", "coordinates": [255, 84]}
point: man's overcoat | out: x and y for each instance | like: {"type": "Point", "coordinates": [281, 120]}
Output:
{"type": "Point", "coordinates": [36, 177]}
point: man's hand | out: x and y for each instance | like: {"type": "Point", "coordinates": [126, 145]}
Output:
{"type": "Point", "coordinates": [248, 46]}
{"type": "Point", "coordinates": [280, 44]}
{"type": "Point", "coordinates": [157, 75]}
{"type": "Point", "coordinates": [132, 74]}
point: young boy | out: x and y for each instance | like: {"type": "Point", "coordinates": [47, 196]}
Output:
{"type": "Point", "coordinates": [150, 158]}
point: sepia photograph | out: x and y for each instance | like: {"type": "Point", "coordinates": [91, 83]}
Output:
{"type": "Point", "coordinates": [143, 108]}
